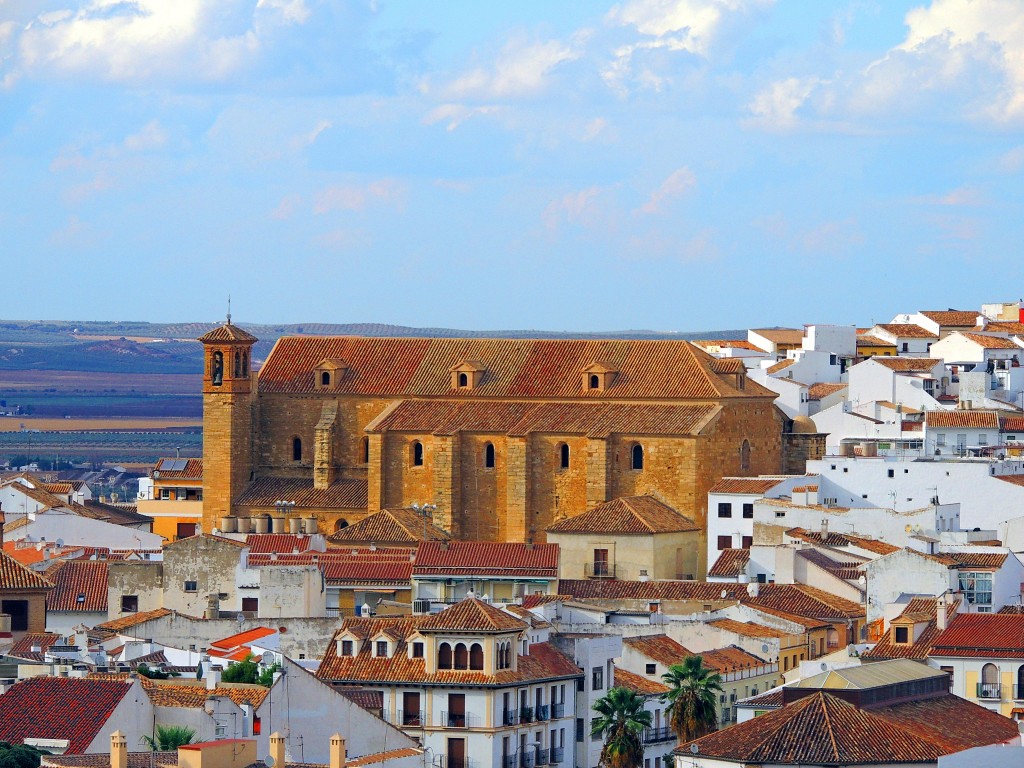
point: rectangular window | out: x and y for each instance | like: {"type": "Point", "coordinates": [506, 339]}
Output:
{"type": "Point", "coordinates": [949, 671]}
{"type": "Point", "coordinates": [780, 513]}
{"type": "Point", "coordinates": [165, 494]}
{"type": "Point", "coordinates": [593, 722]}
{"type": "Point", "coordinates": [601, 562]}
{"type": "Point", "coordinates": [747, 542]}
{"type": "Point", "coordinates": [597, 679]}
{"type": "Point", "coordinates": [892, 473]}
{"type": "Point", "coordinates": [346, 647]}
{"type": "Point", "coordinates": [191, 586]}
{"type": "Point", "coordinates": [940, 438]}
{"type": "Point", "coordinates": [983, 438]}
{"type": "Point", "coordinates": [417, 650]}
{"type": "Point", "coordinates": [724, 542]}
{"type": "Point", "coordinates": [748, 511]}
{"type": "Point", "coordinates": [129, 603]}
{"type": "Point", "coordinates": [579, 729]}
{"type": "Point", "coordinates": [901, 634]}
{"type": "Point", "coordinates": [977, 588]}
{"type": "Point", "coordinates": [382, 648]}
{"type": "Point", "coordinates": [724, 509]}
{"type": "Point", "coordinates": [250, 604]}
{"type": "Point", "coordinates": [651, 668]}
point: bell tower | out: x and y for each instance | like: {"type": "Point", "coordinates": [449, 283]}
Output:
{"type": "Point", "coordinates": [227, 418]}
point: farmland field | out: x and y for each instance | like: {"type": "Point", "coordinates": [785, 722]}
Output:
{"type": "Point", "coordinates": [18, 423]}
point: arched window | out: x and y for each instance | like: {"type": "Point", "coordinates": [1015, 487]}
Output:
{"type": "Point", "coordinates": [238, 365]}
{"type": "Point", "coordinates": [217, 368]}
{"type": "Point", "coordinates": [366, 450]}
{"type": "Point", "coordinates": [489, 456]}
{"type": "Point", "coordinates": [745, 455]}
{"type": "Point", "coordinates": [1020, 681]}
{"type": "Point", "coordinates": [245, 363]}
{"type": "Point", "coordinates": [296, 449]}
{"type": "Point", "coordinates": [563, 456]}
{"type": "Point", "coordinates": [636, 456]}
{"type": "Point", "coordinates": [325, 379]}
{"type": "Point", "coordinates": [340, 523]}
{"type": "Point", "coordinates": [444, 656]}
{"type": "Point", "coordinates": [417, 453]}
{"type": "Point", "coordinates": [501, 656]}
{"type": "Point", "coordinates": [989, 682]}
{"type": "Point", "coordinates": [595, 381]}
{"type": "Point", "coordinates": [463, 380]}
{"type": "Point", "coordinates": [461, 656]}
{"type": "Point", "coordinates": [476, 656]}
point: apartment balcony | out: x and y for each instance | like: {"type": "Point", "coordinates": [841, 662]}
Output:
{"type": "Point", "coordinates": [447, 761]}
{"type": "Point", "coordinates": [990, 691]}
{"type": "Point", "coordinates": [541, 712]}
{"type": "Point", "coordinates": [557, 711]}
{"type": "Point", "coordinates": [459, 720]}
{"type": "Point", "coordinates": [526, 714]}
{"type": "Point", "coordinates": [510, 717]}
{"type": "Point", "coordinates": [655, 735]}
{"type": "Point", "coordinates": [599, 570]}
{"type": "Point", "coordinates": [409, 719]}
{"type": "Point", "coordinates": [542, 757]}
{"type": "Point", "coordinates": [527, 759]}
{"type": "Point", "coordinates": [557, 755]}
{"type": "Point", "coordinates": [510, 761]}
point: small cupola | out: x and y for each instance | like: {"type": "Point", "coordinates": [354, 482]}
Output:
{"type": "Point", "coordinates": [467, 374]}
{"type": "Point", "coordinates": [329, 373]}
{"type": "Point", "coordinates": [598, 377]}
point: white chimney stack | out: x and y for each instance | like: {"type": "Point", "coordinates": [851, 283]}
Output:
{"type": "Point", "coordinates": [337, 751]}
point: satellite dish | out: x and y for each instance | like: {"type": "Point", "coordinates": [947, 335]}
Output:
{"type": "Point", "coordinates": [694, 749]}
{"type": "Point", "coordinates": [824, 665]}
{"type": "Point", "coordinates": [764, 648]}
{"type": "Point", "coordinates": [724, 594]}
{"type": "Point", "coordinates": [60, 543]}
{"type": "Point", "coordinates": [269, 761]}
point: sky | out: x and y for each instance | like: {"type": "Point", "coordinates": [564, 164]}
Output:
{"type": "Point", "coordinates": [675, 165]}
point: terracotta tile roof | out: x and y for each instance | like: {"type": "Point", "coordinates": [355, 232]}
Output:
{"type": "Point", "coordinates": [193, 694]}
{"type": "Point", "coordinates": [728, 343]}
{"type": "Point", "coordinates": [976, 560]}
{"type": "Point", "coordinates": [990, 342]}
{"type": "Point", "coordinates": [73, 579]}
{"type": "Point", "coordinates": [768, 700]}
{"type": "Point", "coordinates": [365, 698]}
{"type": "Point", "coordinates": [135, 760]}
{"type": "Point", "coordinates": [1012, 479]}
{"type": "Point", "coordinates": [58, 488]}
{"type": "Point", "coordinates": [486, 558]}
{"type": "Point", "coordinates": [614, 589]}
{"type": "Point", "coordinates": [907, 331]}
{"type": "Point", "coordinates": [823, 389]}
{"type": "Point", "coordinates": [288, 543]}
{"type": "Point", "coordinates": [1012, 424]}
{"type": "Point", "coordinates": [747, 628]}
{"type": "Point", "coordinates": [341, 494]}
{"type": "Point", "coordinates": [660, 648]}
{"type": "Point", "coordinates": [871, 545]}
{"type": "Point", "coordinates": [781, 365]}
{"type": "Point", "coordinates": [543, 662]}
{"type": "Point", "coordinates": [953, 317]}
{"type": "Point", "coordinates": [985, 635]}
{"type": "Point", "coordinates": [384, 757]}
{"type": "Point", "coordinates": [1011, 609]}
{"type": "Point", "coordinates": [526, 615]}
{"type": "Point", "coordinates": [821, 729]}
{"type": "Point", "coordinates": [14, 575]}
{"type": "Point", "coordinates": [730, 563]}
{"type": "Point", "coordinates": [69, 708]}
{"type": "Point", "coordinates": [226, 332]}
{"type": "Point", "coordinates": [907, 364]}
{"type": "Point", "coordinates": [375, 567]}
{"type": "Point", "coordinates": [627, 515]}
{"type": "Point", "coordinates": [517, 368]}
{"type": "Point", "coordinates": [594, 419]}
{"type": "Point", "coordinates": [962, 419]}
{"type": "Point", "coordinates": [133, 620]}
{"type": "Point", "coordinates": [638, 683]}
{"type": "Point", "coordinates": [803, 600]}
{"type": "Point", "coordinates": [745, 485]}
{"type": "Point", "coordinates": [873, 341]}
{"type": "Point", "coordinates": [1003, 327]}
{"type": "Point", "coordinates": [472, 615]}
{"type": "Point", "coordinates": [918, 609]}
{"type": "Point", "coordinates": [807, 622]}
{"type": "Point", "coordinates": [22, 648]}
{"type": "Point", "coordinates": [848, 570]}
{"type": "Point", "coordinates": [390, 526]}
{"type": "Point", "coordinates": [242, 638]}
{"type": "Point", "coordinates": [730, 659]}
{"type": "Point", "coordinates": [781, 335]}
{"type": "Point", "coordinates": [193, 470]}
{"type": "Point", "coordinates": [833, 539]}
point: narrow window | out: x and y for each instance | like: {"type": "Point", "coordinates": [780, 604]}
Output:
{"type": "Point", "coordinates": [595, 381]}
{"type": "Point", "coordinates": [463, 380]}
{"type": "Point", "coordinates": [637, 456]}
{"type": "Point", "coordinates": [748, 511]}
{"type": "Point", "coordinates": [489, 456]}
{"type": "Point", "coordinates": [366, 450]}
{"type": "Point", "coordinates": [346, 647]}
{"type": "Point", "coordinates": [296, 449]}
{"type": "Point", "coordinates": [417, 650]}
{"type": "Point", "coordinates": [238, 365]}
{"type": "Point", "coordinates": [563, 456]}
{"type": "Point", "coordinates": [382, 648]}
{"type": "Point", "coordinates": [245, 363]}
{"type": "Point", "coordinates": [724, 542]}
{"type": "Point", "coordinates": [444, 656]}
{"type": "Point", "coordinates": [476, 656]}
{"type": "Point", "coordinates": [461, 656]}
{"type": "Point", "coordinates": [325, 379]}
{"type": "Point", "coordinates": [724, 509]}
{"type": "Point", "coordinates": [745, 455]}
{"type": "Point", "coordinates": [417, 454]}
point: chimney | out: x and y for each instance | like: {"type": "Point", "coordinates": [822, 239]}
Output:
{"type": "Point", "coordinates": [940, 613]}
{"type": "Point", "coordinates": [118, 750]}
{"type": "Point", "coordinates": [212, 677]}
{"type": "Point", "coordinates": [337, 751]}
{"type": "Point", "coordinates": [277, 750]}
{"type": "Point", "coordinates": [213, 606]}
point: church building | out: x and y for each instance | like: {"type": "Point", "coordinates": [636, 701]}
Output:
{"type": "Point", "coordinates": [504, 437]}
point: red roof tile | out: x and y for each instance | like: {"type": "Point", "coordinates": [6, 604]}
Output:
{"type": "Point", "coordinates": [614, 589]}
{"type": "Point", "coordinates": [341, 494]}
{"type": "Point", "coordinates": [14, 575]}
{"type": "Point", "coordinates": [730, 563]}
{"type": "Point", "coordinates": [990, 342]}
{"type": "Point", "coordinates": [730, 659]}
{"type": "Point", "coordinates": [962, 419]}
{"type": "Point", "coordinates": [907, 364]}
{"type": "Point", "coordinates": [132, 620]}
{"type": "Point", "coordinates": [485, 558]}
{"type": "Point", "coordinates": [22, 648]}
{"type": "Point", "coordinates": [472, 615]}
{"type": "Point", "coordinates": [918, 609]}
{"type": "Point", "coordinates": [264, 543]}
{"type": "Point", "coordinates": [823, 389]}
{"type": "Point", "coordinates": [390, 526]}
{"type": "Point", "coordinates": [227, 332]}
{"type": "Point", "coordinates": [638, 683]}
{"type": "Point", "coordinates": [745, 485]}
{"type": "Point", "coordinates": [802, 600]}
{"type": "Point", "coordinates": [747, 628]}
{"type": "Point", "coordinates": [642, 515]}
{"type": "Point", "coordinates": [193, 470]}
{"type": "Point", "coordinates": [953, 317]}
{"type": "Point", "coordinates": [982, 635]}
{"type": "Point", "coordinates": [69, 708]}
{"type": "Point", "coordinates": [907, 331]}
{"type": "Point", "coordinates": [74, 579]}
{"type": "Point", "coordinates": [660, 648]}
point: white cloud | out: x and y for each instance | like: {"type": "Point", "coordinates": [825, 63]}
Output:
{"type": "Point", "coordinates": [776, 106]}
{"type": "Point", "coordinates": [456, 114]}
{"type": "Point", "coordinates": [309, 138]}
{"type": "Point", "coordinates": [680, 181]}
{"type": "Point", "coordinates": [151, 136]}
{"type": "Point", "coordinates": [356, 197]}
{"type": "Point", "coordinates": [584, 207]}
{"type": "Point", "coordinates": [594, 129]}
{"type": "Point", "coordinates": [143, 39]}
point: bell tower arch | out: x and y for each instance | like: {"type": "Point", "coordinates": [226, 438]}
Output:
{"type": "Point", "coordinates": [227, 418]}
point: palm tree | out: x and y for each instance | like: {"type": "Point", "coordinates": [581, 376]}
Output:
{"type": "Point", "coordinates": [622, 721]}
{"type": "Point", "coordinates": [170, 737]}
{"type": "Point", "coordinates": [691, 698]}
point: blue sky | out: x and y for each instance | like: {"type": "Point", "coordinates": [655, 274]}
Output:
{"type": "Point", "coordinates": [664, 164]}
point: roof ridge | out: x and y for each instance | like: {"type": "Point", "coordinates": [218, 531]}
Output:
{"type": "Point", "coordinates": [828, 725]}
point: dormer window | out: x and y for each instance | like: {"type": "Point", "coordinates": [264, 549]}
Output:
{"type": "Point", "coordinates": [417, 650]}
{"type": "Point", "coordinates": [325, 378]}
{"type": "Point", "coordinates": [598, 377]}
{"type": "Point", "coordinates": [329, 373]}
{"type": "Point", "coordinates": [468, 374]}
{"type": "Point", "coordinates": [901, 635]}
{"type": "Point", "coordinates": [346, 647]}
{"type": "Point", "coordinates": [380, 648]}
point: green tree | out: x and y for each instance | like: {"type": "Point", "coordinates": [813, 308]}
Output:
{"type": "Point", "coordinates": [248, 671]}
{"type": "Point", "coordinates": [621, 724]}
{"type": "Point", "coordinates": [170, 737]}
{"type": "Point", "coordinates": [692, 698]}
{"type": "Point", "coordinates": [19, 756]}
{"type": "Point", "coordinates": [155, 674]}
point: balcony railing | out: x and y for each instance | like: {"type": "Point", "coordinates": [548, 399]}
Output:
{"type": "Point", "coordinates": [662, 733]}
{"type": "Point", "coordinates": [557, 711]}
{"type": "Point", "coordinates": [408, 718]}
{"type": "Point", "coordinates": [557, 755]}
{"type": "Point", "coordinates": [509, 761]}
{"type": "Point", "coordinates": [541, 712]}
{"type": "Point", "coordinates": [447, 761]}
{"type": "Point", "coordinates": [526, 714]}
{"type": "Point", "coordinates": [510, 717]}
{"type": "Point", "coordinates": [542, 757]}
{"type": "Point", "coordinates": [526, 759]}
{"type": "Point", "coordinates": [599, 570]}
{"type": "Point", "coordinates": [990, 691]}
{"type": "Point", "coordinates": [1018, 692]}
{"type": "Point", "coordinates": [458, 720]}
